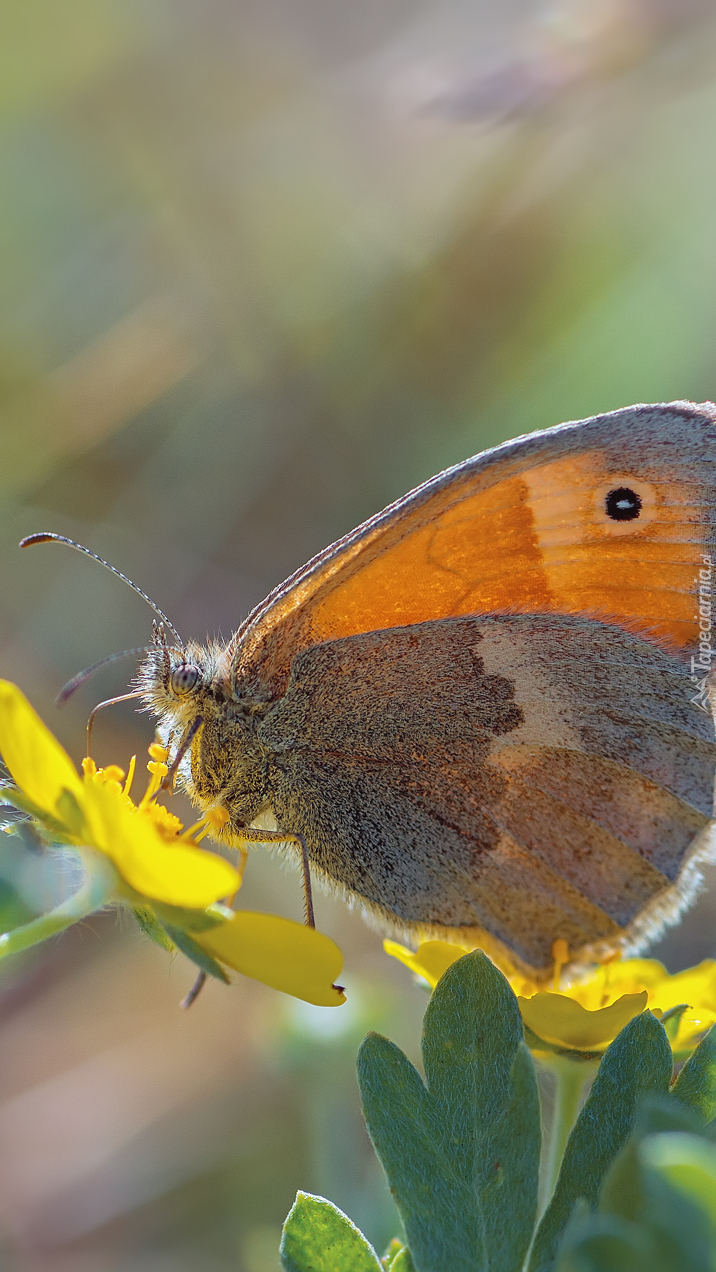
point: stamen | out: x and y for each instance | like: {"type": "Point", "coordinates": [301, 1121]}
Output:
{"type": "Point", "coordinates": [560, 954]}
{"type": "Point", "coordinates": [158, 767]}
{"type": "Point", "coordinates": [158, 771]}
{"type": "Point", "coordinates": [607, 962]}
{"type": "Point", "coordinates": [112, 773]}
{"type": "Point", "coordinates": [158, 752]}
{"type": "Point", "coordinates": [130, 775]}
{"type": "Point", "coordinates": [218, 817]}
{"type": "Point", "coordinates": [213, 820]}
{"type": "Point", "coordinates": [199, 825]}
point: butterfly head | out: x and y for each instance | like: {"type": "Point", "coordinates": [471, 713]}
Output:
{"type": "Point", "coordinates": [206, 724]}
{"type": "Point", "coordinates": [180, 683]}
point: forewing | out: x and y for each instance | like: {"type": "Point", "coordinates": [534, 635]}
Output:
{"type": "Point", "coordinates": [522, 528]}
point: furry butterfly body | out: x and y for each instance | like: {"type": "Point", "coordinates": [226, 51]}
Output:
{"type": "Point", "coordinates": [476, 708]}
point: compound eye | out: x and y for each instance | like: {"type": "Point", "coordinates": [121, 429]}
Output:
{"type": "Point", "coordinates": [184, 678]}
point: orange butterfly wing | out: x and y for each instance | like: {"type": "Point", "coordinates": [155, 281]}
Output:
{"type": "Point", "coordinates": [522, 528]}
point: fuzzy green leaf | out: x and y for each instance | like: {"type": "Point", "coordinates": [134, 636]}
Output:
{"type": "Point", "coordinates": [696, 1084]}
{"type": "Point", "coordinates": [688, 1163]}
{"type": "Point", "coordinates": [147, 921]}
{"type": "Point", "coordinates": [604, 1243]}
{"type": "Point", "coordinates": [671, 1020]}
{"type": "Point", "coordinates": [180, 917]}
{"type": "Point", "coordinates": [318, 1237]}
{"type": "Point", "coordinates": [658, 1112]}
{"type": "Point", "coordinates": [657, 1209]}
{"type": "Point", "coordinates": [623, 1192]}
{"type": "Point", "coordinates": [638, 1061]}
{"type": "Point", "coordinates": [461, 1154]}
{"type": "Point", "coordinates": [392, 1252]}
{"type": "Point", "coordinates": [183, 942]}
{"type": "Point", "coordinates": [18, 799]}
{"type": "Point", "coordinates": [402, 1261]}
{"type": "Point", "coordinates": [71, 814]}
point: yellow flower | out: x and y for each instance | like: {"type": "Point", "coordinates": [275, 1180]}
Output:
{"type": "Point", "coordinates": [155, 861]}
{"type": "Point", "coordinates": [94, 811]}
{"type": "Point", "coordinates": [586, 1012]}
{"type": "Point", "coordinates": [561, 1020]}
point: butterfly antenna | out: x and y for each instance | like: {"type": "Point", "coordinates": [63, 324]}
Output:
{"type": "Point", "coordinates": [48, 537]}
{"type": "Point", "coordinates": [72, 685]}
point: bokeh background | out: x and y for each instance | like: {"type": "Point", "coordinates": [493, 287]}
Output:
{"type": "Point", "coordinates": [264, 266]}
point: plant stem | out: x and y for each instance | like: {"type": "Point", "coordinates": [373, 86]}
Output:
{"type": "Point", "coordinates": [96, 890]}
{"type": "Point", "coordinates": [570, 1077]}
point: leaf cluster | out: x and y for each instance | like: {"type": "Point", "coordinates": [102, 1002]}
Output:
{"type": "Point", "coordinates": [636, 1190]}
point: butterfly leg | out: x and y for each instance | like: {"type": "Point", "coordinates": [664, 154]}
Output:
{"type": "Point", "coordinates": [307, 893]}
{"type": "Point", "coordinates": [194, 991]}
{"type": "Point", "coordinates": [252, 835]}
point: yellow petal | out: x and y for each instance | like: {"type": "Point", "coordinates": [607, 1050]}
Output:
{"type": "Point", "coordinates": [172, 872]}
{"type": "Point", "coordinates": [37, 762]}
{"type": "Point", "coordinates": [286, 955]}
{"type": "Point", "coordinates": [564, 1022]}
{"type": "Point", "coordinates": [432, 959]}
{"type": "Point", "coordinates": [695, 986]}
{"type": "Point", "coordinates": [646, 972]}
{"type": "Point", "coordinates": [692, 1025]}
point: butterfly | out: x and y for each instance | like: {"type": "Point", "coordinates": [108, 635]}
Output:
{"type": "Point", "coordinates": [476, 716]}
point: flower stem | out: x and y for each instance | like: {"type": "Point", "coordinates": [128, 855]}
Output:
{"type": "Point", "coordinates": [570, 1077]}
{"type": "Point", "coordinates": [97, 888]}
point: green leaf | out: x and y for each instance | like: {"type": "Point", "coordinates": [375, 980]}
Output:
{"type": "Point", "coordinates": [639, 1060]}
{"type": "Point", "coordinates": [147, 921]}
{"type": "Point", "coordinates": [688, 1163]}
{"type": "Point", "coordinates": [187, 920]}
{"type": "Point", "coordinates": [623, 1190]}
{"type": "Point", "coordinates": [402, 1261]}
{"type": "Point", "coordinates": [194, 952]}
{"type": "Point", "coordinates": [696, 1084]}
{"type": "Point", "coordinates": [659, 1112]}
{"type": "Point", "coordinates": [98, 887]}
{"type": "Point", "coordinates": [657, 1207]}
{"type": "Point", "coordinates": [18, 799]}
{"type": "Point", "coordinates": [393, 1250]}
{"type": "Point", "coordinates": [665, 1201]}
{"type": "Point", "coordinates": [604, 1243]}
{"type": "Point", "coordinates": [434, 1206]}
{"type": "Point", "coordinates": [318, 1237]}
{"type": "Point", "coordinates": [671, 1020]}
{"type": "Point", "coordinates": [71, 814]}
{"type": "Point", "coordinates": [462, 1154]}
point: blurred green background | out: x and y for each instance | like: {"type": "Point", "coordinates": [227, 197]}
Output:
{"type": "Point", "coordinates": [264, 266]}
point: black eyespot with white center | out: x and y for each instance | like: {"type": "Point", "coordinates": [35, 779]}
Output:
{"type": "Point", "coordinates": [184, 678]}
{"type": "Point", "coordinates": [623, 504]}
